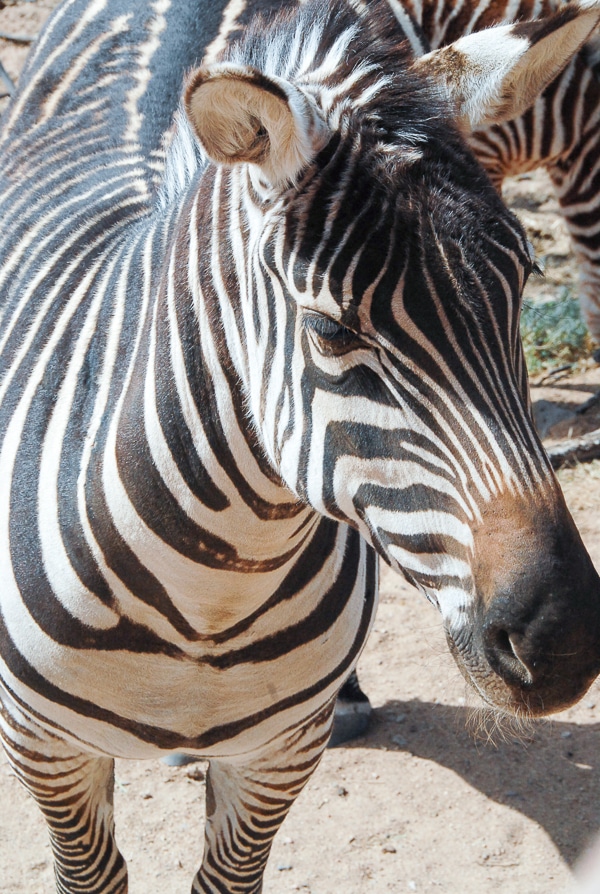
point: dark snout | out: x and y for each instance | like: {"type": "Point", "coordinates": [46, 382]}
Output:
{"type": "Point", "coordinates": [545, 644]}
{"type": "Point", "coordinates": [535, 642]}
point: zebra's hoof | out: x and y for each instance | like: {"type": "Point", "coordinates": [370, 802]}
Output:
{"type": "Point", "coordinates": [350, 720]}
{"type": "Point", "coordinates": [179, 760]}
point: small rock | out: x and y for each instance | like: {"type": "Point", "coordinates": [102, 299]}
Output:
{"type": "Point", "coordinates": [399, 741]}
{"type": "Point", "coordinates": [196, 773]}
{"type": "Point", "coordinates": [548, 416]}
{"type": "Point", "coordinates": [284, 867]}
{"type": "Point", "coordinates": [146, 796]}
{"type": "Point", "coordinates": [388, 849]}
{"type": "Point", "coordinates": [341, 791]}
{"type": "Point", "coordinates": [566, 735]}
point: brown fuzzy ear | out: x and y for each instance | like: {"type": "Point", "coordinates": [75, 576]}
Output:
{"type": "Point", "coordinates": [241, 116]}
{"type": "Point", "coordinates": [495, 75]}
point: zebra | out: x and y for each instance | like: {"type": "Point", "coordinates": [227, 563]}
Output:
{"type": "Point", "coordinates": [244, 353]}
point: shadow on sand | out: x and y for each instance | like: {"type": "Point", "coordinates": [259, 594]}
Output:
{"type": "Point", "coordinates": [551, 775]}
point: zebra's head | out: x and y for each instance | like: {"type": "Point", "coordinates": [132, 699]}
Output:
{"type": "Point", "coordinates": [376, 278]}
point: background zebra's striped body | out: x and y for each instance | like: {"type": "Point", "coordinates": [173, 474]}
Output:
{"type": "Point", "coordinates": [228, 375]}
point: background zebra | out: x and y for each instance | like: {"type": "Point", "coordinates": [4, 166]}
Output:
{"type": "Point", "coordinates": [560, 131]}
{"type": "Point", "coordinates": [217, 397]}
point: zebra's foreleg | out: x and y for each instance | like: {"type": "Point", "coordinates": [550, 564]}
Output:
{"type": "Point", "coordinates": [74, 791]}
{"type": "Point", "coordinates": [246, 804]}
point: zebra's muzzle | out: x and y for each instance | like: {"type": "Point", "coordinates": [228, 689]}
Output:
{"type": "Point", "coordinates": [530, 643]}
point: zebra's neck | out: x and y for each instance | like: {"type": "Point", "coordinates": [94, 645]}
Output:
{"type": "Point", "coordinates": [199, 508]}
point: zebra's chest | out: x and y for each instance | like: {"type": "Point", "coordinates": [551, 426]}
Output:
{"type": "Point", "coordinates": [136, 704]}
{"type": "Point", "coordinates": [132, 672]}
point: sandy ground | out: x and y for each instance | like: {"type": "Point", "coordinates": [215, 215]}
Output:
{"type": "Point", "coordinates": [425, 802]}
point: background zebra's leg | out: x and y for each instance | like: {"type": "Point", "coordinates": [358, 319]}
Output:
{"type": "Point", "coordinates": [352, 713]}
{"type": "Point", "coordinates": [246, 804]}
{"type": "Point", "coordinates": [74, 791]}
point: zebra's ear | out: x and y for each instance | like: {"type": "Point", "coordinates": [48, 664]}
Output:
{"type": "Point", "coordinates": [240, 115]}
{"type": "Point", "coordinates": [496, 74]}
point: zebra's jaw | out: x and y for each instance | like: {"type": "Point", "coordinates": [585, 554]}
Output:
{"type": "Point", "coordinates": [523, 636]}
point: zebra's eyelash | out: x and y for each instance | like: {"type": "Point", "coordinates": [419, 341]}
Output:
{"type": "Point", "coordinates": [536, 265]}
{"type": "Point", "coordinates": [331, 334]}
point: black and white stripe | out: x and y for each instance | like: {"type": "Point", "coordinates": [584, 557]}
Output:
{"type": "Point", "coordinates": [241, 354]}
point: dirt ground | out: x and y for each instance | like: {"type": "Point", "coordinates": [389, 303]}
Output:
{"type": "Point", "coordinates": [423, 802]}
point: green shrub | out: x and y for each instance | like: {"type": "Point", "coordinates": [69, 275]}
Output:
{"type": "Point", "coordinates": [553, 333]}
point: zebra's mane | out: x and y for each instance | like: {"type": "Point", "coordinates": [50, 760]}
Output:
{"type": "Point", "coordinates": [183, 160]}
{"type": "Point", "coordinates": [353, 60]}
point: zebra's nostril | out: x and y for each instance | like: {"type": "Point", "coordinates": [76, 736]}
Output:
{"type": "Point", "coordinates": [504, 656]}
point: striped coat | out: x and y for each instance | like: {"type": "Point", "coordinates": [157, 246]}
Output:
{"type": "Point", "coordinates": [243, 352]}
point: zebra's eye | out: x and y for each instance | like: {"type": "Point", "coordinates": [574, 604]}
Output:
{"type": "Point", "coordinates": [331, 337]}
